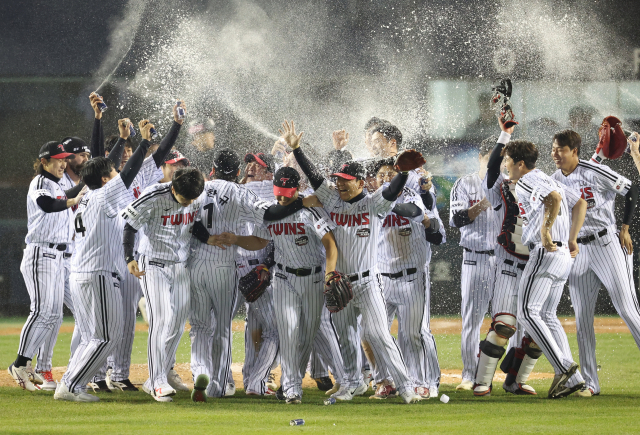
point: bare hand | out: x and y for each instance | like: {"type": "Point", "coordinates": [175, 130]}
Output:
{"type": "Point", "coordinates": [145, 129]}
{"type": "Point", "coordinates": [505, 129]}
{"type": "Point", "coordinates": [280, 146]}
{"type": "Point", "coordinates": [547, 243]}
{"type": "Point", "coordinates": [95, 99]}
{"type": "Point", "coordinates": [288, 133]}
{"type": "Point", "coordinates": [175, 112]}
{"type": "Point", "coordinates": [634, 143]}
{"type": "Point", "coordinates": [219, 241]}
{"type": "Point", "coordinates": [625, 240]}
{"type": "Point", "coordinates": [133, 269]}
{"type": "Point", "coordinates": [340, 139]}
{"type": "Point", "coordinates": [485, 204]}
{"type": "Point", "coordinates": [311, 201]}
{"type": "Point", "coordinates": [75, 201]}
{"type": "Point", "coordinates": [123, 128]}
{"type": "Point", "coordinates": [574, 249]}
{"type": "Point", "coordinates": [426, 222]}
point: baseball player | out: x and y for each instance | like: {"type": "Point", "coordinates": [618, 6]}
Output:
{"type": "Point", "coordinates": [69, 180]}
{"type": "Point", "coordinates": [94, 283]}
{"type": "Point", "coordinates": [403, 258]}
{"type": "Point", "coordinates": [358, 216]}
{"type": "Point", "coordinates": [303, 241]}
{"type": "Point", "coordinates": [472, 213]}
{"type": "Point", "coordinates": [605, 253]}
{"type": "Point", "coordinates": [49, 233]}
{"type": "Point", "coordinates": [551, 231]}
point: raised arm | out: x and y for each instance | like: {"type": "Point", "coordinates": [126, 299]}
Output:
{"type": "Point", "coordinates": [495, 160]}
{"type": "Point", "coordinates": [170, 138]}
{"type": "Point", "coordinates": [97, 136]}
{"type": "Point", "coordinates": [288, 132]}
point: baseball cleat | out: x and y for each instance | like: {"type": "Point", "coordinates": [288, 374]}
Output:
{"type": "Point", "coordinates": [465, 385]}
{"type": "Point", "coordinates": [481, 390]}
{"type": "Point", "coordinates": [176, 382]}
{"type": "Point", "coordinates": [271, 382]}
{"type": "Point", "coordinates": [200, 385]}
{"type": "Point", "coordinates": [367, 377]}
{"type": "Point", "coordinates": [519, 389]}
{"type": "Point", "coordinates": [150, 392]}
{"type": "Point", "coordinates": [164, 390]}
{"type": "Point", "coordinates": [410, 397]}
{"type": "Point", "coordinates": [350, 393]}
{"type": "Point", "coordinates": [124, 385]}
{"type": "Point", "coordinates": [34, 377]}
{"type": "Point", "coordinates": [294, 399]}
{"type": "Point", "coordinates": [20, 375]}
{"type": "Point", "coordinates": [384, 390]}
{"type": "Point", "coordinates": [324, 383]}
{"type": "Point", "coordinates": [335, 389]}
{"type": "Point", "coordinates": [566, 391]}
{"type": "Point", "coordinates": [100, 387]}
{"type": "Point", "coordinates": [586, 392]}
{"type": "Point", "coordinates": [49, 383]}
{"type": "Point", "coordinates": [433, 392]}
{"type": "Point", "coordinates": [422, 392]}
{"type": "Point", "coordinates": [63, 393]}
{"type": "Point", "coordinates": [560, 380]}
{"type": "Point", "coordinates": [280, 394]}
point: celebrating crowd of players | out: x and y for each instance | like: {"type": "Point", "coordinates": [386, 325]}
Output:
{"type": "Point", "coordinates": [107, 226]}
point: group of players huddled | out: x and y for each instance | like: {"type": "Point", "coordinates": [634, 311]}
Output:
{"type": "Point", "coordinates": [108, 225]}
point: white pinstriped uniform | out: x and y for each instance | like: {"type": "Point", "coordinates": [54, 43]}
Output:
{"type": "Point", "coordinates": [42, 266]}
{"type": "Point", "coordinates": [164, 249]}
{"type": "Point", "coordinates": [545, 273]}
{"type": "Point", "coordinates": [45, 353]}
{"type": "Point", "coordinates": [478, 266]}
{"type": "Point", "coordinates": [297, 300]}
{"type": "Point", "coordinates": [95, 288]}
{"type": "Point", "coordinates": [225, 207]}
{"type": "Point", "coordinates": [261, 342]}
{"type": "Point", "coordinates": [356, 234]}
{"type": "Point", "coordinates": [601, 261]}
{"type": "Point", "coordinates": [404, 250]}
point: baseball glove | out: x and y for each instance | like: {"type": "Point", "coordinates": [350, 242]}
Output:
{"type": "Point", "coordinates": [337, 291]}
{"type": "Point", "coordinates": [409, 160]}
{"type": "Point", "coordinates": [252, 285]}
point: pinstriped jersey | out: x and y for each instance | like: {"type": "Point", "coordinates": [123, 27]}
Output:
{"type": "Point", "coordinates": [264, 191]}
{"type": "Point", "coordinates": [166, 224]}
{"type": "Point", "coordinates": [598, 185]}
{"type": "Point", "coordinates": [481, 234]}
{"type": "Point", "coordinates": [531, 190]}
{"type": "Point", "coordinates": [98, 234]}
{"type": "Point", "coordinates": [402, 240]}
{"type": "Point", "coordinates": [225, 207]}
{"type": "Point", "coordinates": [298, 238]}
{"type": "Point", "coordinates": [47, 227]}
{"type": "Point", "coordinates": [67, 183]}
{"type": "Point", "coordinates": [357, 227]}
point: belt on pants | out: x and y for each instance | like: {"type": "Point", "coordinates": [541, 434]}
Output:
{"type": "Point", "coordinates": [300, 272]}
{"type": "Point", "coordinates": [591, 237]}
{"type": "Point", "coordinates": [409, 271]}
{"type": "Point", "coordinates": [66, 255]}
{"type": "Point", "coordinates": [253, 262]}
{"type": "Point", "coordinates": [357, 276]}
{"type": "Point", "coordinates": [519, 266]}
{"type": "Point", "coordinates": [62, 247]}
{"type": "Point", "coordinates": [480, 252]}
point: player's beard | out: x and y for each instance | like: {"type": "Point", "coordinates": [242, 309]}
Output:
{"type": "Point", "coordinates": [77, 168]}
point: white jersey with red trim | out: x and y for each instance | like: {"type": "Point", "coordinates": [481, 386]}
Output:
{"type": "Point", "coordinates": [44, 227]}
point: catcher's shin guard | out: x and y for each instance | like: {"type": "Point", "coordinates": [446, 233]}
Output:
{"type": "Point", "coordinates": [521, 365]}
{"type": "Point", "coordinates": [490, 354]}
{"type": "Point", "coordinates": [532, 353]}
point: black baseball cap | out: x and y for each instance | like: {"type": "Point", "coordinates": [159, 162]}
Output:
{"type": "Point", "coordinates": [75, 145]}
{"type": "Point", "coordinates": [54, 150]}
{"type": "Point", "coordinates": [175, 156]}
{"type": "Point", "coordinates": [226, 161]}
{"type": "Point", "coordinates": [285, 182]}
{"type": "Point", "coordinates": [351, 171]}
{"type": "Point", "coordinates": [264, 160]}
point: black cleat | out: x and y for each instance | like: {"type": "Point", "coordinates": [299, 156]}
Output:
{"type": "Point", "coordinates": [324, 383]}
{"type": "Point", "coordinates": [125, 385]}
{"type": "Point", "coordinates": [100, 387]}
{"type": "Point", "coordinates": [280, 394]}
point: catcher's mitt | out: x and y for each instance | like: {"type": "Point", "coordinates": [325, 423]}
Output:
{"type": "Point", "coordinates": [252, 285]}
{"type": "Point", "coordinates": [408, 160]}
{"type": "Point", "coordinates": [337, 291]}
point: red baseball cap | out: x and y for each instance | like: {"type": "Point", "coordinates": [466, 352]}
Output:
{"type": "Point", "coordinates": [175, 156]}
{"type": "Point", "coordinates": [285, 182]}
{"type": "Point", "coordinates": [54, 150]}
{"type": "Point", "coordinates": [351, 171]}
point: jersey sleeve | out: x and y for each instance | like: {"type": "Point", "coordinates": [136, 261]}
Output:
{"type": "Point", "coordinates": [458, 200]}
{"type": "Point", "coordinates": [381, 206]}
{"type": "Point", "coordinates": [252, 208]}
{"type": "Point", "coordinates": [321, 222]}
{"type": "Point", "coordinates": [149, 173]}
{"type": "Point", "coordinates": [571, 196]}
{"type": "Point", "coordinates": [116, 196]}
{"type": "Point", "coordinates": [138, 212]}
{"type": "Point", "coordinates": [262, 232]}
{"type": "Point", "coordinates": [607, 179]}
{"type": "Point", "coordinates": [534, 190]}
{"type": "Point", "coordinates": [411, 196]}
{"type": "Point", "coordinates": [43, 187]}
{"type": "Point", "coordinates": [327, 195]}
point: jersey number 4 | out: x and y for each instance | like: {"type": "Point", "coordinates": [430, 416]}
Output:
{"type": "Point", "coordinates": [79, 225]}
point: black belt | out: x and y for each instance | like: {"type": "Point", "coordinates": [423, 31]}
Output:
{"type": "Point", "coordinates": [409, 271]}
{"type": "Point", "coordinates": [66, 255]}
{"type": "Point", "coordinates": [519, 266]}
{"type": "Point", "coordinates": [301, 271]}
{"type": "Point", "coordinates": [58, 247]}
{"type": "Point", "coordinates": [590, 238]}
{"type": "Point", "coordinates": [356, 277]}
{"type": "Point", "coordinates": [254, 262]}
{"type": "Point", "coordinates": [480, 252]}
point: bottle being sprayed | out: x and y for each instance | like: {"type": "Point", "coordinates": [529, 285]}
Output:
{"type": "Point", "coordinates": [154, 133]}
{"type": "Point", "coordinates": [101, 105]}
{"type": "Point", "coordinates": [180, 110]}
{"type": "Point", "coordinates": [132, 131]}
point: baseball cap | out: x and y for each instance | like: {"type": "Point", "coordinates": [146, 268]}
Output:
{"type": "Point", "coordinates": [351, 171]}
{"type": "Point", "coordinates": [285, 182]}
{"type": "Point", "coordinates": [264, 160]}
{"type": "Point", "coordinates": [54, 150]}
{"type": "Point", "coordinates": [226, 161]}
{"type": "Point", "coordinates": [75, 145]}
{"type": "Point", "coordinates": [175, 156]}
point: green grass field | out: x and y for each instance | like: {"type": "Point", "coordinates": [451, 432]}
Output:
{"type": "Point", "coordinates": [616, 410]}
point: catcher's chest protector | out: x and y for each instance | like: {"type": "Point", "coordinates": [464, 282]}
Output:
{"type": "Point", "coordinates": [510, 237]}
